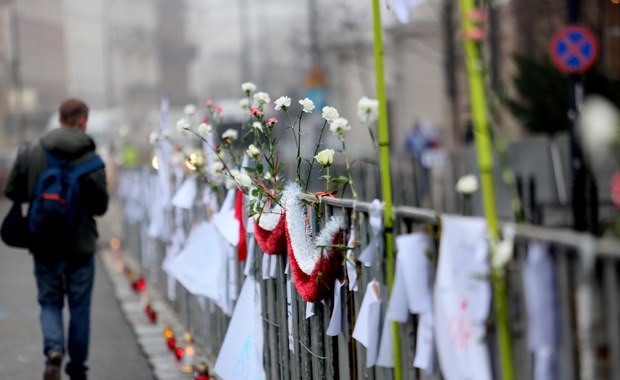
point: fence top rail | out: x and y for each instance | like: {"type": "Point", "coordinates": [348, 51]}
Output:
{"type": "Point", "coordinates": [606, 247]}
{"type": "Point", "coordinates": [419, 214]}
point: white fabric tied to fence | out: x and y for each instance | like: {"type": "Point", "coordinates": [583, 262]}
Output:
{"type": "Point", "coordinates": [241, 355]}
{"type": "Point", "coordinates": [376, 224]}
{"type": "Point", "coordinates": [368, 322]}
{"type": "Point", "coordinates": [541, 304]}
{"type": "Point", "coordinates": [463, 297]}
{"type": "Point", "coordinates": [337, 323]}
{"type": "Point", "coordinates": [202, 266]}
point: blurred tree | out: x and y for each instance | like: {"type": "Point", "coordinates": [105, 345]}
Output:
{"type": "Point", "coordinates": [541, 102]}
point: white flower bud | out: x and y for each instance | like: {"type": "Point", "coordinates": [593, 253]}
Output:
{"type": "Point", "coordinates": [325, 157]}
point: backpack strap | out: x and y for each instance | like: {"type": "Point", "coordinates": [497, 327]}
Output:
{"type": "Point", "coordinates": [90, 165]}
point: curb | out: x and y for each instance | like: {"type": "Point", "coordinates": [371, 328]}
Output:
{"type": "Point", "coordinates": [149, 335]}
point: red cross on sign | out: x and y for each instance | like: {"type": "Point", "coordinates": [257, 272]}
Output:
{"type": "Point", "coordinates": [574, 49]}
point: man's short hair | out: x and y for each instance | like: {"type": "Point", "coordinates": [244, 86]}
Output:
{"type": "Point", "coordinates": [71, 110]}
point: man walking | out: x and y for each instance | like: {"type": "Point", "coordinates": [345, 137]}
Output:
{"type": "Point", "coordinates": [64, 267]}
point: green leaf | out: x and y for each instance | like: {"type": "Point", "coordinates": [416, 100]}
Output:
{"type": "Point", "coordinates": [340, 180]}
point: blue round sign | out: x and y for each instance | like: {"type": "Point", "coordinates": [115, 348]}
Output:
{"type": "Point", "coordinates": [574, 49]}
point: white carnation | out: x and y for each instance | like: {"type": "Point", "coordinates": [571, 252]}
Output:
{"type": "Point", "coordinates": [307, 105]}
{"type": "Point", "coordinates": [248, 88]}
{"type": "Point", "coordinates": [367, 110]}
{"type": "Point", "coordinates": [467, 184]}
{"type": "Point", "coordinates": [183, 125]}
{"type": "Point", "coordinates": [253, 152]}
{"type": "Point", "coordinates": [339, 126]}
{"type": "Point", "coordinates": [230, 135]}
{"type": "Point", "coordinates": [204, 129]}
{"type": "Point", "coordinates": [244, 103]}
{"type": "Point", "coordinates": [257, 125]}
{"type": "Point", "coordinates": [243, 179]}
{"type": "Point", "coordinates": [599, 127]}
{"type": "Point", "coordinates": [283, 102]}
{"type": "Point", "coordinates": [217, 167]}
{"type": "Point", "coordinates": [189, 110]}
{"type": "Point", "coordinates": [330, 114]}
{"type": "Point", "coordinates": [153, 137]}
{"type": "Point", "coordinates": [260, 99]}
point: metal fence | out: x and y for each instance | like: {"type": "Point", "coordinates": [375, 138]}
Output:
{"type": "Point", "coordinates": [587, 304]}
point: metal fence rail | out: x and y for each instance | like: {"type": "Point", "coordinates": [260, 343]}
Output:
{"type": "Point", "coordinates": [586, 282]}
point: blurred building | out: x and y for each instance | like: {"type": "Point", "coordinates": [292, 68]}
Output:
{"type": "Point", "coordinates": [33, 67]}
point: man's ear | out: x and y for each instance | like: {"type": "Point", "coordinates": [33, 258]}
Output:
{"type": "Point", "coordinates": [81, 122]}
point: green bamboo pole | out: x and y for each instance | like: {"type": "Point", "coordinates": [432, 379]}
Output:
{"type": "Point", "coordinates": [485, 164]}
{"type": "Point", "coordinates": [386, 178]}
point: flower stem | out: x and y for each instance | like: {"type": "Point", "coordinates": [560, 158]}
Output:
{"type": "Point", "coordinates": [375, 145]}
{"type": "Point", "coordinates": [349, 170]}
{"type": "Point", "coordinates": [327, 177]}
{"type": "Point", "coordinates": [316, 150]}
{"type": "Point", "coordinates": [298, 175]}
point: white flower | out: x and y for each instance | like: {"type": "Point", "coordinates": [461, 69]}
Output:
{"type": "Point", "coordinates": [204, 129]}
{"type": "Point", "coordinates": [217, 167]}
{"type": "Point", "coordinates": [183, 125]}
{"type": "Point", "coordinates": [153, 137]}
{"type": "Point", "coordinates": [257, 125]}
{"type": "Point", "coordinates": [267, 176]}
{"type": "Point", "coordinates": [244, 103]}
{"type": "Point", "coordinates": [189, 110]}
{"type": "Point", "coordinates": [503, 254]}
{"type": "Point", "coordinates": [243, 179]}
{"type": "Point", "coordinates": [330, 114]}
{"type": "Point", "coordinates": [253, 152]}
{"type": "Point", "coordinates": [467, 184]}
{"type": "Point", "coordinates": [283, 102]}
{"type": "Point", "coordinates": [339, 126]}
{"type": "Point", "coordinates": [307, 105]}
{"type": "Point", "coordinates": [325, 157]}
{"type": "Point", "coordinates": [230, 182]}
{"type": "Point", "coordinates": [196, 158]}
{"type": "Point", "coordinates": [367, 110]}
{"type": "Point", "coordinates": [599, 126]}
{"type": "Point", "coordinates": [230, 135]}
{"type": "Point", "coordinates": [248, 88]}
{"type": "Point", "coordinates": [260, 99]}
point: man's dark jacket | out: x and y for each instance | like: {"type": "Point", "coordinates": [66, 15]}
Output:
{"type": "Point", "coordinates": [67, 144]}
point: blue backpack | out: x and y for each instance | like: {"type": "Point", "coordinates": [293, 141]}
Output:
{"type": "Point", "coordinates": [55, 203]}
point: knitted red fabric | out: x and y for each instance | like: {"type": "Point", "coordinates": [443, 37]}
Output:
{"type": "Point", "coordinates": [272, 242]}
{"type": "Point", "coordinates": [242, 250]}
{"type": "Point", "coordinates": [318, 285]}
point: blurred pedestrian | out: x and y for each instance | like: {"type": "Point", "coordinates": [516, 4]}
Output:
{"type": "Point", "coordinates": [417, 142]}
{"type": "Point", "coordinates": [64, 268]}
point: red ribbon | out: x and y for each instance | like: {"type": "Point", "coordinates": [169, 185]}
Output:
{"type": "Point", "coordinates": [242, 249]}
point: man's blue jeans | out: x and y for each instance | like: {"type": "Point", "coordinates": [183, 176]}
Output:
{"type": "Point", "coordinates": [73, 277]}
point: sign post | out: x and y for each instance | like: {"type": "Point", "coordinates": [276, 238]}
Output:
{"type": "Point", "coordinates": [574, 50]}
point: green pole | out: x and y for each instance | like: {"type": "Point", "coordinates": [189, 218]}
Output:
{"type": "Point", "coordinates": [485, 164]}
{"type": "Point", "coordinates": [386, 180]}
